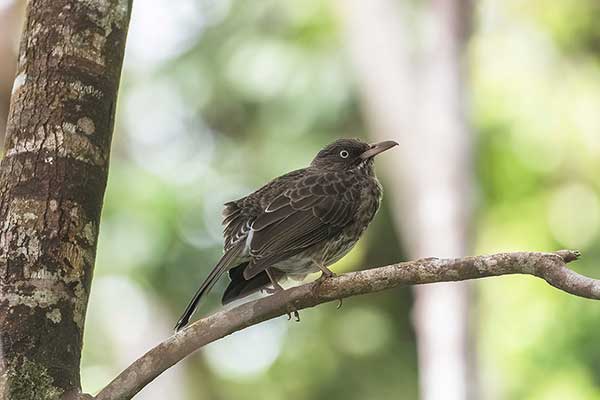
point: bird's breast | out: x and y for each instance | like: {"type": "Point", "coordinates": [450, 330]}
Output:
{"type": "Point", "coordinates": [370, 199]}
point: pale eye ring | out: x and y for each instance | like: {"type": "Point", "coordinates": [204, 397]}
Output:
{"type": "Point", "coordinates": [344, 154]}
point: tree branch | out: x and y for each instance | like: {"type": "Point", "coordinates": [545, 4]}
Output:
{"type": "Point", "coordinates": [549, 266]}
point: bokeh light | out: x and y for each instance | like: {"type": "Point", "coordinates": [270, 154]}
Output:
{"type": "Point", "coordinates": [219, 96]}
{"type": "Point", "coordinates": [248, 353]}
{"type": "Point", "coordinates": [574, 215]}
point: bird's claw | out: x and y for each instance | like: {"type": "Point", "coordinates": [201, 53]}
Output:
{"type": "Point", "coordinates": [274, 289]}
{"type": "Point", "coordinates": [296, 315]}
{"type": "Point", "coordinates": [339, 305]}
{"type": "Point", "coordinates": [326, 275]}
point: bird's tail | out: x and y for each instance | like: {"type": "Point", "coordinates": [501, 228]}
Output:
{"type": "Point", "coordinates": [226, 261]}
{"type": "Point", "coordinates": [240, 287]}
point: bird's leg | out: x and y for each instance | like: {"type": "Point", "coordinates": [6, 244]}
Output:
{"type": "Point", "coordinates": [276, 286]}
{"type": "Point", "coordinates": [326, 272]}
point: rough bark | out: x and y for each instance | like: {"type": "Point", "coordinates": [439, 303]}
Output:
{"type": "Point", "coordinates": [548, 266]}
{"type": "Point", "coordinates": [53, 177]}
{"type": "Point", "coordinates": [409, 64]}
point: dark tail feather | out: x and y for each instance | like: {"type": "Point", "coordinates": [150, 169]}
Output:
{"type": "Point", "coordinates": [222, 266]}
{"type": "Point", "coordinates": [240, 287]}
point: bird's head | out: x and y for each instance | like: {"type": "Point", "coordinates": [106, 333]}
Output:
{"type": "Point", "coordinates": [347, 154]}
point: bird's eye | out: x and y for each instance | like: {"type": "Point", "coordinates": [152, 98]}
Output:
{"type": "Point", "coordinates": [344, 154]}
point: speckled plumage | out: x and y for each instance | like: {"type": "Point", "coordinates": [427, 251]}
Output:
{"type": "Point", "coordinates": [298, 223]}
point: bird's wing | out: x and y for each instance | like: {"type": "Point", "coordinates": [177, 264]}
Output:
{"type": "Point", "coordinates": [236, 224]}
{"type": "Point", "coordinates": [239, 215]}
{"type": "Point", "coordinates": [315, 209]}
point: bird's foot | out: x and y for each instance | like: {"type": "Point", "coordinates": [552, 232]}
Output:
{"type": "Point", "coordinates": [326, 274]}
{"type": "Point", "coordinates": [291, 310]}
{"type": "Point", "coordinates": [296, 315]}
{"type": "Point", "coordinates": [276, 288]}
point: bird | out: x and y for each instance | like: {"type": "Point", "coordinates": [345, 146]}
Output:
{"type": "Point", "coordinates": [298, 223]}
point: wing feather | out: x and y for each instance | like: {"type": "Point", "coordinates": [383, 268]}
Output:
{"type": "Point", "coordinates": [302, 223]}
{"type": "Point", "coordinates": [311, 208]}
{"type": "Point", "coordinates": [239, 215]}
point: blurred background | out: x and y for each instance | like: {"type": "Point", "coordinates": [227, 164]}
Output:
{"type": "Point", "coordinates": [496, 105]}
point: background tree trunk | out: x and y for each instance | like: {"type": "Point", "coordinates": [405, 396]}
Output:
{"type": "Point", "coordinates": [417, 96]}
{"type": "Point", "coordinates": [53, 177]}
{"type": "Point", "coordinates": [10, 16]}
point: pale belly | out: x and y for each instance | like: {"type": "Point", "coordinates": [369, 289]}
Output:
{"type": "Point", "coordinates": [300, 265]}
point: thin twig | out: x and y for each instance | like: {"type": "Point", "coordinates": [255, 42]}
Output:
{"type": "Point", "coordinates": [549, 266]}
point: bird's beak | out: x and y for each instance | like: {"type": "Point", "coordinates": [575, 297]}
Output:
{"type": "Point", "coordinates": [377, 148]}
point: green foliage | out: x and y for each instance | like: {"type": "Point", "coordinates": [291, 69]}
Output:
{"type": "Point", "coordinates": [535, 85]}
{"type": "Point", "coordinates": [255, 93]}
{"type": "Point", "coordinates": [574, 24]}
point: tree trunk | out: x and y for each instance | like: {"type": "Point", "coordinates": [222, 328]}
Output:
{"type": "Point", "coordinates": [53, 177]}
{"type": "Point", "coordinates": [416, 95]}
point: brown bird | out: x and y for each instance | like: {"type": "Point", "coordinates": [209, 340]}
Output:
{"type": "Point", "coordinates": [298, 223]}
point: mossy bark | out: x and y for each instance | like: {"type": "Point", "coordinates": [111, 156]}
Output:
{"type": "Point", "coordinates": [52, 179]}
